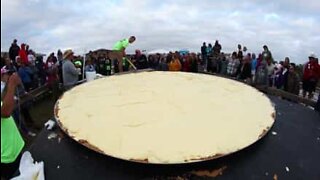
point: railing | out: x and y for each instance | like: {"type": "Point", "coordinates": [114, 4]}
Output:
{"type": "Point", "coordinates": [275, 92]}
{"type": "Point", "coordinates": [31, 95]}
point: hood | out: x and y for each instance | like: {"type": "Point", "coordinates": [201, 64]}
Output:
{"type": "Point", "coordinates": [23, 46]}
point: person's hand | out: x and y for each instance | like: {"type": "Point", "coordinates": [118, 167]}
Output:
{"type": "Point", "coordinates": [14, 80]}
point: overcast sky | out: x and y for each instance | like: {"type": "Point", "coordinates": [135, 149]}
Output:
{"type": "Point", "coordinates": [289, 27]}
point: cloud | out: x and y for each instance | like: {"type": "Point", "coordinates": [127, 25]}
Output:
{"type": "Point", "coordinates": [289, 28]}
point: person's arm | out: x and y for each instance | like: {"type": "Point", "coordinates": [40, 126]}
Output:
{"type": "Point", "coordinates": [72, 69]}
{"type": "Point", "coordinates": [124, 52]}
{"type": "Point", "coordinates": [8, 100]}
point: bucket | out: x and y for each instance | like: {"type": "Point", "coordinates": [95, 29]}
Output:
{"type": "Point", "coordinates": [90, 75]}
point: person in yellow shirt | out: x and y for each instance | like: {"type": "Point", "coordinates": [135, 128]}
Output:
{"type": "Point", "coordinates": [11, 139]}
{"type": "Point", "coordinates": [174, 64]}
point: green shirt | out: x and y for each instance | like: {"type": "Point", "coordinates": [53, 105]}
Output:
{"type": "Point", "coordinates": [78, 63]}
{"type": "Point", "coordinates": [120, 45]}
{"type": "Point", "coordinates": [11, 140]}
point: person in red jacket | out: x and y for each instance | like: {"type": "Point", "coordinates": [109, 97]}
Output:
{"type": "Point", "coordinates": [23, 54]}
{"type": "Point", "coordinates": [311, 75]}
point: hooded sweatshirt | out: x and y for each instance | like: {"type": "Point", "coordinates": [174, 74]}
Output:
{"type": "Point", "coordinates": [23, 54]}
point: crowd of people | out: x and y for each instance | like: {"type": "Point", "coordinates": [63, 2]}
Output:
{"type": "Point", "coordinates": [254, 69]}
{"type": "Point", "coordinates": [262, 69]}
{"type": "Point", "coordinates": [23, 70]}
{"type": "Point", "coordinates": [33, 73]}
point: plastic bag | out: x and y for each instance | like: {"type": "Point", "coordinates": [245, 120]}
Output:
{"type": "Point", "coordinates": [29, 169]}
{"type": "Point", "coordinates": [49, 125]}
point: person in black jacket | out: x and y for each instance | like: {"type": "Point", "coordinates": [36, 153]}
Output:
{"type": "Point", "coordinates": [204, 54]}
{"type": "Point", "coordinates": [14, 51]}
{"type": "Point", "coordinates": [245, 71]}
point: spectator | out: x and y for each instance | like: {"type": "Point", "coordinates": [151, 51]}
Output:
{"type": "Point", "coordinates": [163, 66]}
{"type": "Point", "coordinates": [54, 58]}
{"type": "Point", "coordinates": [216, 57]}
{"type": "Point", "coordinates": [293, 85]}
{"type": "Point", "coordinates": [34, 70]}
{"type": "Point", "coordinates": [60, 60]}
{"type": "Point", "coordinates": [9, 65]}
{"type": "Point", "coordinates": [125, 63]}
{"type": "Point", "coordinates": [262, 72]}
{"type": "Point", "coordinates": [69, 71]}
{"type": "Point", "coordinates": [156, 60]}
{"type": "Point", "coordinates": [101, 64]}
{"type": "Point", "coordinates": [141, 60]}
{"type": "Point", "coordinates": [186, 66]}
{"type": "Point", "coordinates": [41, 71]}
{"type": "Point", "coordinates": [27, 48]}
{"type": "Point", "coordinates": [233, 65]}
{"type": "Point", "coordinates": [240, 53]}
{"type": "Point", "coordinates": [278, 76]}
{"type": "Point", "coordinates": [23, 54]}
{"type": "Point", "coordinates": [11, 139]}
{"type": "Point", "coordinates": [285, 73]}
{"type": "Point", "coordinates": [78, 64]}
{"type": "Point", "coordinates": [25, 74]}
{"type": "Point", "coordinates": [245, 73]}
{"type": "Point", "coordinates": [271, 73]}
{"type": "Point", "coordinates": [216, 48]}
{"type": "Point", "coordinates": [89, 66]}
{"type": "Point", "coordinates": [310, 76]}
{"type": "Point", "coordinates": [245, 53]}
{"type": "Point", "coordinates": [209, 58]}
{"type": "Point", "coordinates": [254, 63]}
{"type": "Point", "coordinates": [151, 61]}
{"type": "Point", "coordinates": [194, 63]}
{"type": "Point", "coordinates": [175, 64]}
{"type": "Point", "coordinates": [204, 55]}
{"type": "Point", "coordinates": [52, 77]}
{"type": "Point", "coordinates": [108, 67]}
{"type": "Point", "coordinates": [14, 51]}
{"type": "Point", "coordinates": [59, 55]}
{"type": "Point", "coordinates": [169, 57]}
{"type": "Point", "coordinates": [266, 54]}
{"type": "Point", "coordinates": [216, 62]}
{"type": "Point", "coordinates": [31, 57]}
{"type": "Point", "coordinates": [224, 64]}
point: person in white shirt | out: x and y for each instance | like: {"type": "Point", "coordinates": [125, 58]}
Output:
{"type": "Point", "coordinates": [31, 58]}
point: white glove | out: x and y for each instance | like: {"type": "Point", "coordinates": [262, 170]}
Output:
{"type": "Point", "coordinates": [49, 124]}
{"type": "Point", "coordinates": [30, 170]}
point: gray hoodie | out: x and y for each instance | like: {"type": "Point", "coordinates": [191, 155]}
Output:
{"type": "Point", "coordinates": [70, 73]}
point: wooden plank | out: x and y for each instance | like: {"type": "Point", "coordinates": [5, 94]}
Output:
{"type": "Point", "coordinates": [34, 94]}
{"type": "Point", "coordinates": [286, 95]}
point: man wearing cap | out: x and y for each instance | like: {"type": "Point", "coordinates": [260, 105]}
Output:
{"type": "Point", "coordinates": [69, 71]}
{"type": "Point", "coordinates": [311, 75]}
{"type": "Point", "coordinates": [118, 51]}
{"type": "Point", "coordinates": [11, 139]}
